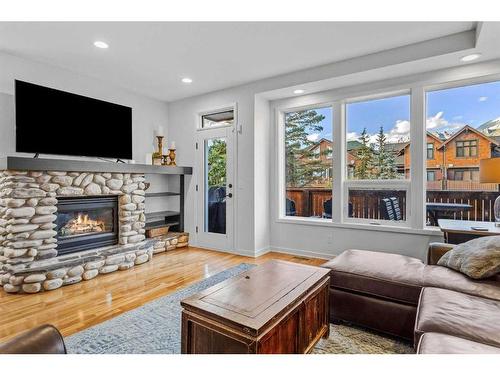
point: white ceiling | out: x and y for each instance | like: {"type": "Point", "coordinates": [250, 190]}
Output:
{"type": "Point", "coordinates": [150, 58]}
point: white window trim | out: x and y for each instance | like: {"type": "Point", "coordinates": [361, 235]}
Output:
{"type": "Point", "coordinates": [229, 107]}
{"type": "Point", "coordinates": [337, 98]}
{"type": "Point", "coordinates": [403, 184]}
{"type": "Point", "coordinates": [280, 152]}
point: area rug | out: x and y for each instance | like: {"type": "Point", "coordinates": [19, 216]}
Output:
{"type": "Point", "coordinates": [155, 328]}
{"type": "Point", "coordinates": [346, 339]}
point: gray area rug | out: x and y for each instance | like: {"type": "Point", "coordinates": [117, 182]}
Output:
{"type": "Point", "coordinates": [155, 328]}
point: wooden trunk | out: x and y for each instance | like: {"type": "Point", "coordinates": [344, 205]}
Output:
{"type": "Point", "coordinates": [278, 307]}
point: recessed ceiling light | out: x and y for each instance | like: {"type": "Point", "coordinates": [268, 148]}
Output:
{"type": "Point", "coordinates": [299, 91]}
{"type": "Point", "coordinates": [101, 44]}
{"type": "Point", "coordinates": [471, 57]}
{"type": "Point", "coordinates": [187, 80]}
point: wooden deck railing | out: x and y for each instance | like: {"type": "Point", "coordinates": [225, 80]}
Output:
{"type": "Point", "coordinates": [454, 185]}
{"type": "Point", "coordinates": [367, 203]}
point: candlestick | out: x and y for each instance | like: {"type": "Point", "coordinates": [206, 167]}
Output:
{"type": "Point", "coordinates": [158, 155]}
{"type": "Point", "coordinates": [171, 157]}
{"type": "Point", "coordinates": [159, 131]}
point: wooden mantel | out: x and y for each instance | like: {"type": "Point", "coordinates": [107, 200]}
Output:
{"type": "Point", "coordinates": [32, 164]}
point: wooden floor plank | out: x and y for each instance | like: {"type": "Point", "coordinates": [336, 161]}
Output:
{"type": "Point", "coordinates": [79, 306]}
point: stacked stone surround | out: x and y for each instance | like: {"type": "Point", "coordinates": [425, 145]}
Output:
{"type": "Point", "coordinates": [29, 261]}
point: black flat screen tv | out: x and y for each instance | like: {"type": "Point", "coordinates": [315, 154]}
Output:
{"type": "Point", "coordinates": [50, 121]}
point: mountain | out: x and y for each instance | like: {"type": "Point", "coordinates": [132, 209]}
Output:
{"type": "Point", "coordinates": [490, 128]}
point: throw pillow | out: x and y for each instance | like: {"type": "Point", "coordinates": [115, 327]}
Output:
{"type": "Point", "coordinates": [478, 258]}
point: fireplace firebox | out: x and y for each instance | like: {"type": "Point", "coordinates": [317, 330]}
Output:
{"type": "Point", "coordinates": [86, 222]}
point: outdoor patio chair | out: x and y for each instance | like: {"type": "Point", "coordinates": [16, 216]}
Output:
{"type": "Point", "coordinates": [290, 208]}
{"type": "Point", "coordinates": [390, 209]}
{"type": "Point", "coordinates": [327, 209]}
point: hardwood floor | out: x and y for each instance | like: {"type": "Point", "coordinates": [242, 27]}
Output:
{"type": "Point", "coordinates": [79, 306]}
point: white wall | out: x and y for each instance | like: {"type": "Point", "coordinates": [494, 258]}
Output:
{"type": "Point", "coordinates": [146, 114]}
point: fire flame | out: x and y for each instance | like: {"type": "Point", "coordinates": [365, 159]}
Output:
{"type": "Point", "coordinates": [83, 224]}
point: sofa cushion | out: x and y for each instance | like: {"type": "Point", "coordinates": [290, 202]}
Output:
{"type": "Point", "coordinates": [458, 314]}
{"type": "Point", "coordinates": [439, 343]}
{"type": "Point", "coordinates": [478, 258]}
{"type": "Point", "coordinates": [383, 275]}
{"type": "Point", "coordinates": [442, 277]}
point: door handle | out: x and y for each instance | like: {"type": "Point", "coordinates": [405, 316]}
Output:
{"type": "Point", "coordinates": [230, 195]}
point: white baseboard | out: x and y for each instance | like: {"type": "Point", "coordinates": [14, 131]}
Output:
{"type": "Point", "coordinates": [262, 251]}
{"type": "Point", "coordinates": [269, 249]}
{"type": "Point", "coordinates": [303, 253]}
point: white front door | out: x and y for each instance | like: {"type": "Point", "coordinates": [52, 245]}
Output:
{"type": "Point", "coordinates": [215, 188]}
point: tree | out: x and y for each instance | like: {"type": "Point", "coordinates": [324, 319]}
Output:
{"type": "Point", "coordinates": [302, 164]}
{"type": "Point", "coordinates": [363, 170]}
{"type": "Point", "coordinates": [385, 161]}
{"type": "Point", "coordinates": [217, 156]}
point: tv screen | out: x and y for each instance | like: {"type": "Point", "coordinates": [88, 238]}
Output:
{"type": "Point", "coordinates": [50, 121]}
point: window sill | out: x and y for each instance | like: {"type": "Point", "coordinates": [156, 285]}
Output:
{"type": "Point", "coordinates": [359, 226]}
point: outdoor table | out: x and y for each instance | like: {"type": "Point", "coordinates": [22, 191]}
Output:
{"type": "Point", "coordinates": [436, 209]}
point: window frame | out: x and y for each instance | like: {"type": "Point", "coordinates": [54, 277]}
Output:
{"type": "Point", "coordinates": [418, 86]}
{"type": "Point", "coordinates": [432, 149]}
{"type": "Point", "coordinates": [281, 152]}
{"type": "Point", "coordinates": [395, 184]}
{"type": "Point", "coordinates": [223, 108]}
{"type": "Point", "coordinates": [433, 173]}
{"type": "Point", "coordinates": [466, 144]}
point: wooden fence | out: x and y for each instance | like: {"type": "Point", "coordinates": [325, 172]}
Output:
{"type": "Point", "coordinates": [463, 186]}
{"type": "Point", "coordinates": [367, 203]}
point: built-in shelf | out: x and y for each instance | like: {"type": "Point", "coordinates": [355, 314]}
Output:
{"type": "Point", "coordinates": [32, 164]}
{"type": "Point", "coordinates": [159, 224]}
{"type": "Point", "coordinates": [160, 214]}
{"type": "Point", "coordinates": [164, 194]}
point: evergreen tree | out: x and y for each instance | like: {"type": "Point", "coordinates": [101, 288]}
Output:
{"type": "Point", "coordinates": [385, 160]}
{"type": "Point", "coordinates": [217, 156]}
{"type": "Point", "coordinates": [364, 169]}
{"type": "Point", "coordinates": [302, 165]}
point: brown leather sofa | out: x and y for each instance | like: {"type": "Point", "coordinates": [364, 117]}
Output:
{"type": "Point", "coordinates": [440, 310]}
{"type": "Point", "coordinates": [45, 339]}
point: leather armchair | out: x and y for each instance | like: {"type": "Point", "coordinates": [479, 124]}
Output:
{"type": "Point", "coordinates": [436, 251]}
{"type": "Point", "coordinates": [45, 339]}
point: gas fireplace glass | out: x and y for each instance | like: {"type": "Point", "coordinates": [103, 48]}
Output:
{"type": "Point", "coordinates": [85, 222]}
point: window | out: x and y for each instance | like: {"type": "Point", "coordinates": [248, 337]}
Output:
{"type": "Point", "coordinates": [377, 169]}
{"type": "Point", "coordinates": [465, 149]}
{"type": "Point", "coordinates": [464, 123]}
{"type": "Point", "coordinates": [308, 164]}
{"type": "Point", "coordinates": [430, 151]}
{"type": "Point", "coordinates": [460, 126]}
{"type": "Point", "coordinates": [219, 118]}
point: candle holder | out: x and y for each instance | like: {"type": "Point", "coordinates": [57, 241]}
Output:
{"type": "Point", "coordinates": [158, 155]}
{"type": "Point", "coordinates": [171, 157]}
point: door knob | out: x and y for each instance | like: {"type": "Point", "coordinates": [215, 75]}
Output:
{"type": "Point", "coordinates": [230, 195]}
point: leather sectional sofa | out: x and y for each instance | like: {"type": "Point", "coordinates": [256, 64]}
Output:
{"type": "Point", "coordinates": [45, 339]}
{"type": "Point", "coordinates": [438, 309]}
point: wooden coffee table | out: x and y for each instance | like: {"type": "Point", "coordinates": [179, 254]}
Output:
{"type": "Point", "coordinates": [278, 307]}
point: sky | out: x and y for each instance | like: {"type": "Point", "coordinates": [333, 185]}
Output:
{"type": "Point", "coordinates": [447, 111]}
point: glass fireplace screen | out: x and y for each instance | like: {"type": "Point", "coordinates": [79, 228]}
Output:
{"type": "Point", "coordinates": [79, 223]}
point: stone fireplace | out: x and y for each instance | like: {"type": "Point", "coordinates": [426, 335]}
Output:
{"type": "Point", "coordinates": [59, 228]}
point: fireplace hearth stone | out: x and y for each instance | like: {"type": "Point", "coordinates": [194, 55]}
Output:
{"type": "Point", "coordinates": [28, 213]}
